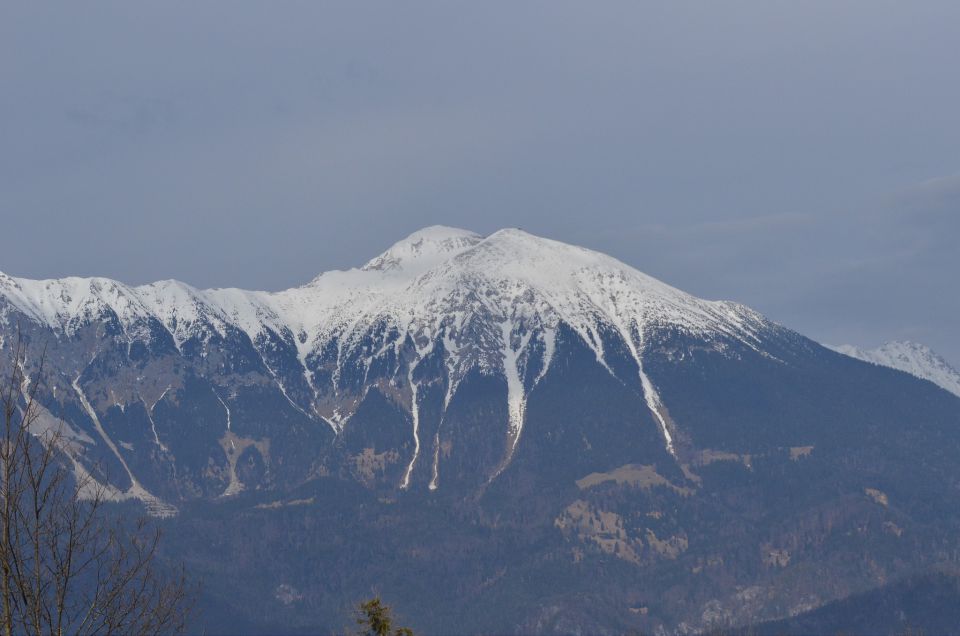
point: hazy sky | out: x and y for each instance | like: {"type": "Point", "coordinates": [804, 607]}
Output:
{"type": "Point", "coordinates": [803, 157]}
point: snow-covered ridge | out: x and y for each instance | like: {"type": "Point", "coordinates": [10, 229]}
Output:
{"type": "Point", "coordinates": [423, 249]}
{"type": "Point", "coordinates": [433, 267]}
{"type": "Point", "coordinates": [427, 280]}
{"type": "Point", "coordinates": [915, 359]}
{"type": "Point", "coordinates": [494, 303]}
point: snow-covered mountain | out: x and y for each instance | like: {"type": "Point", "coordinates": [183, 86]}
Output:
{"type": "Point", "coordinates": [494, 304]}
{"type": "Point", "coordinates": [915, 359]}
{"type": "Point", "coordinates": [436, 309]}
{"type": "Point", "coordinates": [530, 436]}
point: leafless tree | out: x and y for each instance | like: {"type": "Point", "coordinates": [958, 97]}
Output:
{"type": "Point", "coordinates": [67, 566]}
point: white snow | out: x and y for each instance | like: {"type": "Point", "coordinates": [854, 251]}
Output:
{"type": "Point", "coordinates": [225, 408]}
{"type": "Point", "coordinates": [436, 461]}
{"type": "Point", "coordinates": [916, 359]}
{"type": "Point", "coordinates": [415, 416]}
{"type": "Point", "coordinates": [549, 346]}
{"type": "Point", "coordinates": [184, 310]}
{"type": "Point", "coordinates": [422, 352]}
{"type": "Point", "coordinates": [655, 405]}
{"type": "Point", "coordinates": [516, 401]}
{"type": "Point", "coordinates": [424, 249]}
{"type": "Point", "coordinates": [63, 304]}
{"type": "Point", "coordinates": [153, 425]}
{"type": "Point", "coordinates": [153, 429]}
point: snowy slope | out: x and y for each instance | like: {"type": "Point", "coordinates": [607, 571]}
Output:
{"type": "Point", "coordinates": [915, 359]}
{"type": "Point", "coordinates": [491, 303]}
{"type": "Point", "coordinates": [426, 281]}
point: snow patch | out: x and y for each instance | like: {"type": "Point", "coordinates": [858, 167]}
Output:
{"type": "Point", "coordinates": [516, 400]}
{"type": "Point", "coordinates": [225, 408]}
{"type": "Point", "coordinates": [415, 416]}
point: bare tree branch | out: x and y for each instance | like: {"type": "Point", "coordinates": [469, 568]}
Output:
{"type": "Point", "coordinates": [66, 567]}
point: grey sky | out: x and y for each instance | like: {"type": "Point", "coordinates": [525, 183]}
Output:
{"type": "Point", "coordinates": [803, 158]}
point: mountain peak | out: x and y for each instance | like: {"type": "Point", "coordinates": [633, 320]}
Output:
{"type": "Point", "coordinates": [423, 249]}
{"type": "Point", "coordinates": [916, 359]}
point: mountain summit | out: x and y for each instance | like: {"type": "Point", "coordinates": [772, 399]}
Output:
{"type": "Point", "coordinates": [424, 249]}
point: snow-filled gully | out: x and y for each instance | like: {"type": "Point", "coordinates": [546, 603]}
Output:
{"type": "Point", "coordinates": [415, 416]}
{"type": "Point", "coordinates": [650, 395]}
{"type": "Point", "coordinates": [155, 506]}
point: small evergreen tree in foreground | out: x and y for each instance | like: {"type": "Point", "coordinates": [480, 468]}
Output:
{"type": "Point", "coordinates": [374, 619]}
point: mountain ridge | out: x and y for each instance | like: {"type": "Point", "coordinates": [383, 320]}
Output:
{"type": "Point", "coordinates": [916, 359]}
{"type": "Point", "coordinates": [403, 263]}
{"type": "Point", "coordinates": [432, 284]}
